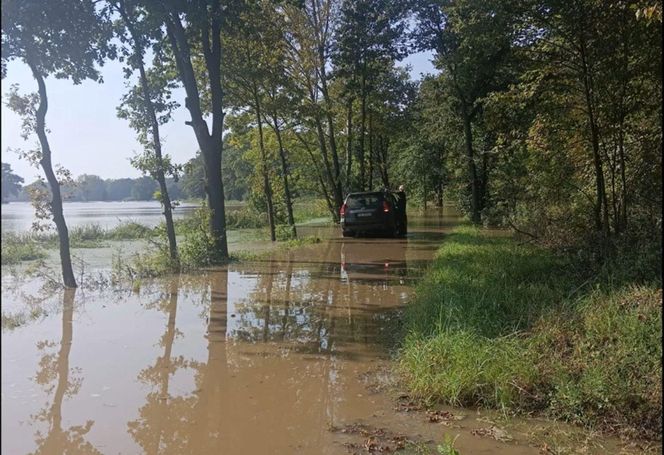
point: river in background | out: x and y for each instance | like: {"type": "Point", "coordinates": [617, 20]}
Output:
{"type": "Point", "coordinates": [19, 216]}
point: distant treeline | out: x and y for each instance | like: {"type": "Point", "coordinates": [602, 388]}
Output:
{"type": "Point", "coordinates": [89, 187]}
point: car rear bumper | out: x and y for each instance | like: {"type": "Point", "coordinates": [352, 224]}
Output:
{"type": "Point", "coordinates": [363, 227]}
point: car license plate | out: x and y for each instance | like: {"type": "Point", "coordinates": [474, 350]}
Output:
{"type": "Point", "coordinates": [363, 215]}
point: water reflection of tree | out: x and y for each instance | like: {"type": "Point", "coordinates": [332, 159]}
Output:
{"type": "Point", "coordinates": [55, 367]}
{"type": "Point", "coordinates": [230, 399]}
{"type": "Point", "coordinates": [177, 424]}
{"type": "Point", "coordinates": [313, 310]}
{"type": "Point", "coordinates": [159, 418]}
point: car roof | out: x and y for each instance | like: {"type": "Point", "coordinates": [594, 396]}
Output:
{"type": "Point", "coordinates": [367, 193]}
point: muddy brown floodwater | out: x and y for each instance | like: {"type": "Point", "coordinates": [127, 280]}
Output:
{"type": "Point", "coordinates": [288, 354]}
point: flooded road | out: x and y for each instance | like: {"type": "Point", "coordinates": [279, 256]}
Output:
{"type": "Point", "coordinates": [284, 355]}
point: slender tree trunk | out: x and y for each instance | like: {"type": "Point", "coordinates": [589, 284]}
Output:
{"type": "Point", "coordinates": [56, 196]}
{"type": "Point", "coordinates": [321, 178]}
{"type": "Point", "coordinates": [266, 177]}
{"type": "Point", "coordinates": [349, 144]}
{"type": "Point", "coordinates": [371, 156]}
{"type": "Point", "coordinates": [472, 169]}
{"type": "Point", "coordinates": [484, 180]}
{"type": "Point", "coordinates": [338, 190]}
{"type": "Point", "coordinates": [284, 170]}
{"type": "Point", "coordinates": [363, 130]}
{"type": "Point", "coordinates": [156, 140]}
{"type": "Point", "coordinates": [326, 164]}
{"type": "Point", "coordinates": [612, 162]}
{"type": "Point", "coordinates": [322, 72]}
{"type": "Point", "coordinates": [381, 155]}
{"type": "Point", "coordinates": [601, 208]}
{"type": "Point", "coordinates": [623, 179]}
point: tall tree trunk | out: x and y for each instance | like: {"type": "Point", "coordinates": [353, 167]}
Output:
{"type": "Point", "coordinates": [321, 178]}
{"type": "Point", "coordinates": [381, 155]}
{"type": "Point", "coordinates": [322, 72]}
{"type": "Point", "coordinates": [601, 207]}
{"type": "Point", "coordinates": [484, 180]}
{"type": "Point", "coordinates": [265, 170]}
{"type": "Point", "coordinates": [156, 140]}
{"type": "Point", "coordinates": [472, 169]}
{"type": "Point", "coordinates": [363, 130]}
{"type": "Point", "coordinates": [623, 179]}
{"type": "Point", "coordinates": [47, 166]}
{"type": "Point", "coordinates": [371, 156]}
{"type": "Point", "coordinates": [349, 144]}
{"type": "Point", "coordinates": [284, 170]}
{"type": "Point", "coordinates": [210, 142]}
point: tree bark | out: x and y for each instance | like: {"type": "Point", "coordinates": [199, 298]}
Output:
{"type": "Point", "coordinates": [363, 130]}
{"type": "Point", "coordinates": [321, 30]}
{"type": "Point", "coordinates": [349, 144]}
{"type": "Point", "coordinates": [472, 169]}
{"type": "Point", "coordinates": [210, 142]}
{"type": "Point", "coordinates": [266, 177]}
{"type": "Point", "coordinates": [284, 170]}
{"type": "Point", "coordinates": [56, 196]}
{"type": "Point", "coordinates": [156, 140]}
{"type": "Point", "coordinates": [601, 206]}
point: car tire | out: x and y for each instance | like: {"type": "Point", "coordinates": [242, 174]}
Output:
{"type": "Point", "coordinates": [347, 233]}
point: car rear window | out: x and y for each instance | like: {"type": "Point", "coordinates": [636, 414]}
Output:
{"type": "Point", "coordinates": [365, 201]}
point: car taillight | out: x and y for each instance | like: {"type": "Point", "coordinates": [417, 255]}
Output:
{"type": "Point", "coordinates": [386, 206]}
{"type": "Point", "coordinates": [342, 210]}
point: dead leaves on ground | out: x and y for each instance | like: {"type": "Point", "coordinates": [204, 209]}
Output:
{"type": "Point", "coordinates": [444, 417]}
{"type": "Point", "coordinates": [376, 440]}
{"type": "Point", "coordinates": [492, 432]}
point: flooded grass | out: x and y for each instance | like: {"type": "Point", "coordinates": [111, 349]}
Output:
{"type": "Point", "coordinates": [508, 326]}
{"type": "Point", "coordinates": [17, 248]}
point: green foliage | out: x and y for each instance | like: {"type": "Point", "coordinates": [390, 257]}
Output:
{"type": "Point", "coordinates": [196, 247]}
{"type": "Point", "coordinates": [447, 447]}
{"type": "Point", "coordinates": [509, 326]}
{"type": "Point", "coordinates": [11, 183]}
{"type": "Point", "coordinates": [17, 248]}
{"type": "Point", "coordinates": [245, 218]}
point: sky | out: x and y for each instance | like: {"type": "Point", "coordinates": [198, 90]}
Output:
{"type": "Point", "coordinates": [86, 136]}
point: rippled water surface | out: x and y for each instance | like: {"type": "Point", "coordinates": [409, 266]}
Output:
{"type": "Point", "coordinates": [18, 216]}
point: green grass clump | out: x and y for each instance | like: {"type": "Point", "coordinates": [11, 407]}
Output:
{"type": "Point", "coordinates": [310, 209]}
{"type": "Point", "coordinates": [245, 218]}
{"type": "Point", "coordinates": [509, 326]}
{"type": "Point", "coordinates": [18, 248]}
{"type": "Point", "coordinates": [129, 231]}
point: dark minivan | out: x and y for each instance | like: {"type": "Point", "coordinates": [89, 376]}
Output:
{"type": "Point", "coordinates": [379, 211]}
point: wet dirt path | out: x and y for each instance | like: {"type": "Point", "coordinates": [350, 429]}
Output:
{"type": "Point", "coordinates": [288, 354]}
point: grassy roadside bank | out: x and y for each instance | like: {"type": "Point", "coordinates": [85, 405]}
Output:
{"type": "Point", "coordinates": [502, 325]}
